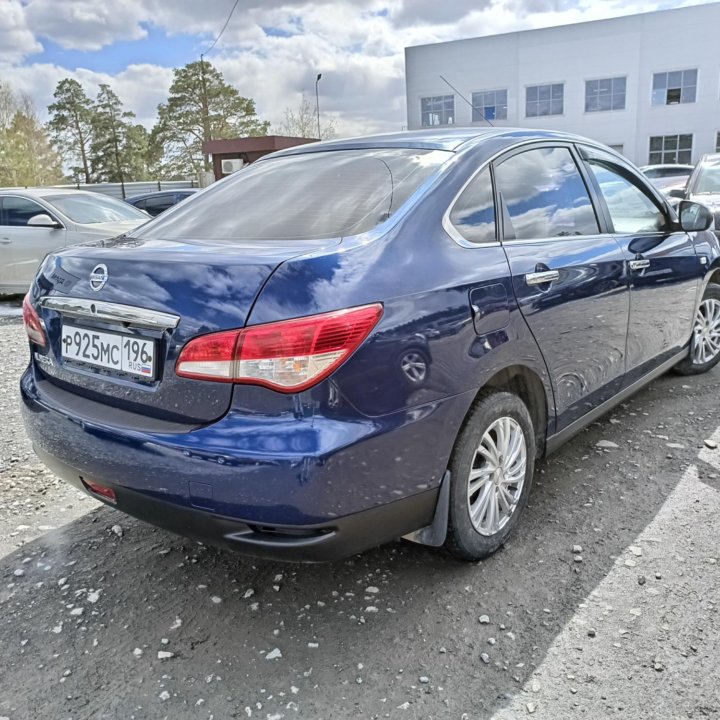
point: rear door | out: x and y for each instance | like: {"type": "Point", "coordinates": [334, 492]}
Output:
{"type": "Point", "coordinates": [24, 246]}
{"type": "Point", "coordinates": [663, 267]}
{"type": "Point", "coordinates": [568, 275]}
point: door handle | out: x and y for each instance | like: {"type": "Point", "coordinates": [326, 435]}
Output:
{"type": "Point", "coordinates": [639, 264]}
{"type": "Point", "coordinates": [5, 241]}
{"type": "Point", "coordinates": [542, 278]}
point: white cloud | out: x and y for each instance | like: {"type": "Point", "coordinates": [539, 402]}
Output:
{"type": "Point", "coordinates": [86, 24]}
{"type": "Point", "coordinates": [16, 39]}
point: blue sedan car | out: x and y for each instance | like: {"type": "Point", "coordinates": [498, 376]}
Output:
{"type": "Point", "coordinates": [381, 343]}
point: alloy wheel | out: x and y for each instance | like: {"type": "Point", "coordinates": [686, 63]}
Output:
{"type": "Point", "coordinates": [706, 332]}
{"type": "Point", "coordinates": [497, 476]}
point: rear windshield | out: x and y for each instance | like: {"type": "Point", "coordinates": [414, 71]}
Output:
{"type": "Point", "coordinates": [664, 172]}
{"type": "Point", "coordinates": [311, 196]}
{"type": "Point", "coordinates": [91, 208]}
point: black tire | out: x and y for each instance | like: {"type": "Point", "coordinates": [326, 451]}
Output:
{"type": "Point", "coordinates": [464, 541]}
{"type": "Point", "coordinates": [688, 366]}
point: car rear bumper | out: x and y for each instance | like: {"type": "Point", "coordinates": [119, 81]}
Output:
{"type": "Point", "coordinates": [307, 489]}
{"type": "Point", "coordinates": [319, 542]}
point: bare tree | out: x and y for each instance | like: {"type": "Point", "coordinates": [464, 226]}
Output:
{"type": "Point", "coordinates": [302, 122]}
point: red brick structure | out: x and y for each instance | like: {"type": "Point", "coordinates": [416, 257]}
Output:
{"type": "Point", "coordinates": [247, 149]}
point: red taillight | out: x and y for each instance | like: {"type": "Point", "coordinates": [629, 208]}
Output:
{"type": "Point", "coordinates": [288, 356]}
{"type": "Point", "coordinates": [104, 492]}
{"type": "Point", "coordinates": [34, 326]}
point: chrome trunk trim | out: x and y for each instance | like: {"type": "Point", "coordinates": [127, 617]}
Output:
{"type": "Point", "coordinates": [111, 312]}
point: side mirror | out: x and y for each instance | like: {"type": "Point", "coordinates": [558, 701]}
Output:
{"type": "Point", "coordinates": [678, 193]}
{"type": "Point", "coordinates": [43, 220]}
{"type": "Point", "coordinates": [694, 217]}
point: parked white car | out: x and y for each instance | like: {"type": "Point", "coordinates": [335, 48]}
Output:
{"type": "Point", "coordinates": [34, 222]}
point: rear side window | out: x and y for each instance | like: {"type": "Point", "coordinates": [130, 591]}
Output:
{"type": "Point", "coordinates": [309, 196]}
{"type": "Point", "coordinates": [544, 196]}
{"type": "Point", "coordinates": [473, 215]}
{"type": "Point", "coordinates": [160, 203]}
{"type": "Point", "coordinates": [630, 207]}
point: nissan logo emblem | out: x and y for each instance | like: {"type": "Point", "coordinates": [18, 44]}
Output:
{"type": "Point", "coordinates": [98, 277]}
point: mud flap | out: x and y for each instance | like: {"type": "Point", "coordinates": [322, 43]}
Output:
{"type": "Point", "coordinates": [435, 533]}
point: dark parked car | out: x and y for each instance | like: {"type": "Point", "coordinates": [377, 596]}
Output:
{"type": "Point", "coordinates": [381, 344]}
{"type": "Point", "coordinates": [157, 202]}
{"type": "Point", "coordinates": [704, 186]}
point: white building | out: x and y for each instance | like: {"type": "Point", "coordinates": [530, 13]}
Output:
{"type": "Point", "coordinates": [648, 85]}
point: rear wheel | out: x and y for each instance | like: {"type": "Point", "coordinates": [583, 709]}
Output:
{"type": "Point", "coordinates": [705, 341]}
{"type": "Point", "coordinates": [491, 473]}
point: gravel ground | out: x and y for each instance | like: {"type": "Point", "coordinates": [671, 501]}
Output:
{"type": "Point", "coordinates": [604, 603]}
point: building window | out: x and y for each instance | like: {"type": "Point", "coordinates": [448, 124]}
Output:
{"type": "Point", "coordinates": [671, 149]}
{"type": "Point", "coordinates": [605, 94]}
{"type": "Point", "coordinates": [673, 88]}
{"type": "Point", "coordinates": [438, 110]}
{"type": "Point", "coordinates": [543, 100]}
{"type": "Point", "coordinates": [489, 105]}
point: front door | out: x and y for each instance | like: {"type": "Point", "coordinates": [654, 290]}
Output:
{"type": "Point", "coordinates": [23, 246]}
{"type": "Point", "coordinates": [663, 268]}
{"type": "Point", "coordinates": [568, 276]}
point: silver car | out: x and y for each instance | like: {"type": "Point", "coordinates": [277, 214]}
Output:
{"type": "Point", "coordinates": [704, 186]}
{"type": "Point", "coordinates": [34, 222]}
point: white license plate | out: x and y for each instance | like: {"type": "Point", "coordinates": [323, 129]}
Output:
{"type": "Point", "coordinates": [123, 353]}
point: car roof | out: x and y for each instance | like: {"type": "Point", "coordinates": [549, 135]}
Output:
{"type": "Point", "coordinates": [710, 157]}
{"type": "Point", "coordinates": [43, 192]}
{"type": "Point", "coordinates": [155, 193]}
{"type": "Point", "coordinates": [452, 139]}
{"type": "Point", "coordinates": [675, 166]}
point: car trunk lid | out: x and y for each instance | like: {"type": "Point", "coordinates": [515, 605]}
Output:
{"type": "Point", "coordinates": [153, 296]}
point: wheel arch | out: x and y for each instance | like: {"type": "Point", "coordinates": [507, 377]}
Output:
{"type": "Point", "coordinates": [524, 382]}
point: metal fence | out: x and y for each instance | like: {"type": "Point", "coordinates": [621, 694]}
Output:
{"type": "Point", "coordinates": [131, 188]}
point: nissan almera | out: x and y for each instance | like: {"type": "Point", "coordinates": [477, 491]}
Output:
{"type": "Point", "coordinates": [354, 341]}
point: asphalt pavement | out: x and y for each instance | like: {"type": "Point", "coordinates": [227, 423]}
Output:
{"type": "Point", "coordinates": [603, 604]}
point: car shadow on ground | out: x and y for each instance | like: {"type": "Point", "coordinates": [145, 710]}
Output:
{"type": "Point", "coordinates": [394, 632]}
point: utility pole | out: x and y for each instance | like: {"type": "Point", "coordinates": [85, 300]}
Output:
{"type": "Point", "coordinates": [317, 103]}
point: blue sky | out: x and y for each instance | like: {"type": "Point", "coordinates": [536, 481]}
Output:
{"type": "Point", "coordinates": [271, 51]}
{"type": "Point", "coordinates": [156, 48]}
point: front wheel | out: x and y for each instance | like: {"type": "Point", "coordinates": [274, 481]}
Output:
{"type": "Point", "coordinates": [705, 342]}
{"type": "Point", "coordinates": [491, 473]}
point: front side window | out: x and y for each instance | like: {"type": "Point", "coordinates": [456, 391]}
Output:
{"type": "Point", "coordinates": [437, 110]}
{"type": "Point", "coordinates": [717, 143]}
{"type": "Point", "coordinates": [489, 105]}
{"type": "Point", "coordinates": [542, 100]}
{"type": "Point", "coordinates": [544, 196]}
{"type": "Point", "coordinates": [670, 149]}
{"type": "Point", "coordinates": [16, 211]}
{"type": "Point", "coordinates": [606, 94]}
{"type": "Point", "coordinates": [311, 195]}
{"type": "Point", "coordinates": [473, 215]}
{"type": "Point", "coordinates": [631, 208]}
{"type": "Point", "coordinates": [674, 88]}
